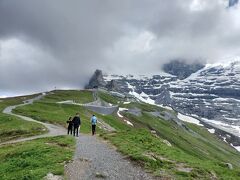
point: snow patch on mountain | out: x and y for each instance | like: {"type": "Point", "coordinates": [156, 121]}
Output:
{"type": "Point", "coordinates": [212, 131]}
{"type": "Point", "coordinates": [119, 110]}
{"type": "Point", "coordinates": [121, 116]}
{"type": "Point", "coordinates": [189, 119]}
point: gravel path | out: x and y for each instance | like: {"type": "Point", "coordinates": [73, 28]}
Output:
{"type": "Point", "coordinates": [95, 159]}
{"type": "Point", "coordinates": [53, 130]}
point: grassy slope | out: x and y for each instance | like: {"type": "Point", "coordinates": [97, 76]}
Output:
{"type": "Point", "coordinates": [195, 148]}
{"type": "Point", "coordinates": [201, 151]}
{"type": "Point", "coordinates": [34, 159]}
{"type": "Point", "coordinates": [82, 97]}
{"type": "Point", "coordinates": [108, 98]}
{"type": "Point", "coordinates": [12, 127]}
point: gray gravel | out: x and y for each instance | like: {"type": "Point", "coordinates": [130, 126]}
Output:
{"type": "Point", "coordinates": [95, 159]}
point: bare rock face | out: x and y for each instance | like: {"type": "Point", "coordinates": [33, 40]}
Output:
{"type": "Point", "coordinates": [164, 96]}
{"type": "Point", "coordinates": [232, 3]}
{"type": "Point", "coordinates": [96, 80]}
{"type": "Point", "coordinates": [113, 86]}
{"type": "Point", "coordinates": [181, 69]}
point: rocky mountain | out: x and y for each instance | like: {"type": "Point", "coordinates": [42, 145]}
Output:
{"type": "Point", "coordinates": [181, 69]}
{"type": "Point", "coordinates": [211, 93]}
{"type": "Point", "coordinates": [232, 3]}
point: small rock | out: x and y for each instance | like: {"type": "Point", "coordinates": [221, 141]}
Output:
{"type": "Point", "coordinates": [51, 176]}
{"type": "Point", "coordinates": [150, 156]}
{"type": "Point", "coordinates": [229, 165]}
{"type": "Point", "coordinates": [153, 132]}
{"type": "Point", "coordinates": [214, 176]}
{"type": "Point", "coordinates": [167, 143]}
{"type": "Point", "coordinates": [100, 175]}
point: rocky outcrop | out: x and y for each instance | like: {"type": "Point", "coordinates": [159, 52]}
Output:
{"type": "Point", "coordinates": [96, 80]}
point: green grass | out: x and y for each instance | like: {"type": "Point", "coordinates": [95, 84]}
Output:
{"type": "Point", "coordinates": [108, 98]}
{"type": "Point", "coordinates": [83, 96]}
{"type": "Point", "coordinates": [32, 160]}
{"type": "Point", "coordinates": [198, 143]}
{"type": "Point", "coordinates": [143, 106]}
{"type": "Point", "coordinates": [55, 113]}
{"type": "Point", "coordinates": [47, 110]}
{"type": "Point", "coordinates": [13, 127]}
{"type": "Point", "coordinates": [150, 151]}
{"type": "Point", "coordinates": [192, 146]}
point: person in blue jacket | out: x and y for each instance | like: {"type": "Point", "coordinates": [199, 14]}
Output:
{"type": "Point", "coordinates": [94, 123]}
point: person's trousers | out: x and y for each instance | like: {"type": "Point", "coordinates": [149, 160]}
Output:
{"type": "Point", "coordinates": [93, 129]}
{"type": "Point", "coordinates": [75, 130]}
{"type": "Point", "coordinates": [70, 130]}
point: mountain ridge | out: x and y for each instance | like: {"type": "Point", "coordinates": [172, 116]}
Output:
{"type": "Point", "coordinates": [211, 94]}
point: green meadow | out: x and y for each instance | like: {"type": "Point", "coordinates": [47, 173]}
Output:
{"type": "Point", "coordinates": [34, 159]}
{"type": "Point", "coordinates": [163, 147]}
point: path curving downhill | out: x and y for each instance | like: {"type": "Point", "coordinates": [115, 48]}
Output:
{"type": "Point", "coordinates": [53, 130]}
{"type": "Point", "coordinates": [94, 159]}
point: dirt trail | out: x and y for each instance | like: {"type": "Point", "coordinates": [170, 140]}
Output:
{"type": "Point", "coordinates": [53, 130]}
{"type": "Point", "coordinates": [95, 159]}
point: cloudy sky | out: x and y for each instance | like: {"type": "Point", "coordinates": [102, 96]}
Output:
{"type": "Point", "coordinates": [58, 43]}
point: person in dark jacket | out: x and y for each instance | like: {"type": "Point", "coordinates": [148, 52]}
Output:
{"type": "Point", "coordinates": [76, 124]}
{"type": "Point", "coordinates": [70, 125]}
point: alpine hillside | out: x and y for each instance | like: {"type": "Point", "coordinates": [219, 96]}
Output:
{"type": "Point", "coordinates": [209, 93]}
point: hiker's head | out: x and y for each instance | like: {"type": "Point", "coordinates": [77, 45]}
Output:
{"type": "Point", "coordinates": [93, 115]}
{"type": "Point", "coordinates": [70, 117]}
{"type": "Point", "coordinates": [77, 114]}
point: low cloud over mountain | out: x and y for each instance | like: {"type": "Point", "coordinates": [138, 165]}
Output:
{"type": "Point", "coordinates": [60, 43]}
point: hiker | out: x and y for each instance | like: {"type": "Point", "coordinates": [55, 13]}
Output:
{"type": "Point", "coordinates": [94, 123]}
{"type": "Point", "coordinates": [76, 124]}
{"type": "Point", "coordinates": [70, 125]}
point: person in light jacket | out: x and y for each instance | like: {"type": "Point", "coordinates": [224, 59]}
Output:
{"type": "Point", "coordinates": [94, 123]}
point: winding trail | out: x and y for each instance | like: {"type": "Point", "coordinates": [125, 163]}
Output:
{"type": "Point", "coordinates": [98, 106]}
{"type": "Point", "coordinates": [53, 130]}
{"type": "Point", "coordinates": [94, 159]}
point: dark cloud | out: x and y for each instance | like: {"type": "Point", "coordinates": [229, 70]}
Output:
{"type": "Point", "coordinates": [60, 43]}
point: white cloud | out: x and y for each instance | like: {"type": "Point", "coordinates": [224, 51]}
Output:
{"type": "Point", "coordinates": [60, 43]}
